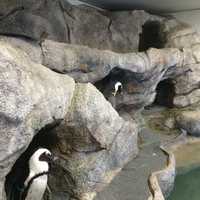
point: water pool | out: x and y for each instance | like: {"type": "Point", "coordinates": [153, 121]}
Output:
{"type": "Point", "coordinates": [187, 186]}
{"type": "Point", "coordinates": [187, 182]}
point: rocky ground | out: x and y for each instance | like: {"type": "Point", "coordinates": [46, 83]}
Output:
{"type": "Point", "coordinates": [132, 180]}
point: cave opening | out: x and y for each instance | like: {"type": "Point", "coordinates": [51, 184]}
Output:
{"type": "Point", "coordinates": [151, 36]}
{"type": "Point", "coordinates": [165, 93]}
{"type": "Point", "coordinates": [107, 84]}
{"type": "Point", "coordinates": [45, 138]}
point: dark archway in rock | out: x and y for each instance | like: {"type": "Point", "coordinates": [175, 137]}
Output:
{"type": "Point", "coordinates": [151, 36]}
{"type": "Point", "coordinates": [106, 85]}
{"type": "Point", "coordinates": [165, 93]}
{"type": "Point", "coordinates": [45, 138]}
{"type": "Point", "coordinates": [130, 81]}
{"type": "Point", "coordinates": [133, 88]}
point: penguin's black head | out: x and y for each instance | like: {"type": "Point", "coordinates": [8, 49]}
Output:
{"type": "Point", "coordinates": [47, 157]}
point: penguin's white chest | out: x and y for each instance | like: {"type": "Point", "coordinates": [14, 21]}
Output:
{"type": "Point", "coordinates": [37, 188]}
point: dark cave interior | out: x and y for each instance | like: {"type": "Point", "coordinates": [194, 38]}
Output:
{"type": "Point", "coordinates": [165, 93]}
{"type": "Point", "coordinates": [151, 36]}
{"type": "Point", "coordinates": [45, 138]}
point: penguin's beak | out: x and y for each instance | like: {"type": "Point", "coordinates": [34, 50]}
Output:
{"type": "Point", "coordinates": [49, 158]}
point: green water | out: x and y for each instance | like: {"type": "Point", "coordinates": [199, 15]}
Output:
{"type": "Point", "coordinates": [187, 186]}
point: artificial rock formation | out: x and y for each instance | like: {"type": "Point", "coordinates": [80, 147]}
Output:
{"type": "Point", "coordinates": [31, 96]}
{"type": "Point", "coordinates": [94, 142]}
{"type": "Point", "coordinates": [161, 182]}
{"type": "Point", "coordinates": [183, 37]}
{"type": "Point", "coordinates": [100, 29]}
{"type": "Point", "coordinates": [190, 122]}
{"type": "Point", "coordinates": [121, 32]}
{"type": "Point", "coordinates": [139, 73]}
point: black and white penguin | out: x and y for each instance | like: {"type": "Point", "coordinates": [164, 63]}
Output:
{"type": "Point", "coordinates": [35, 182]}
{"type": "Point", "coordinates": [118, 88]}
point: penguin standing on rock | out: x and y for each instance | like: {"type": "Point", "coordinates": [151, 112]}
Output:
{"type": "Point", "coordinates": [118, 88]}
{"type": "Point", "coordinates": [35, 182]}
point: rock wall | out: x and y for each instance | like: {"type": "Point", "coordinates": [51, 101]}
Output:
{"type": "Point", "coordinates": [31, 96]}
{"type": "Point", "coordinates": [139, 73]}
{"type": "Point", "coordinates": [120, 32]}
{"type": "Point", "coordinates": [93, 140]}
{"type": "Point", "coordinates": [62, 22]}
{"type": "Point", "coordinates": [47, 47]}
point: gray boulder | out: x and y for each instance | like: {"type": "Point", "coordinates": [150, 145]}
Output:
{"type": "Point", "coordinates": [31, 96]}
{"type": "Point", "coordinates": [94, 142]}
{"type": "Point", "coordinates": [31, 48]}
{"type": "Point", "coordinates": [190, 122]}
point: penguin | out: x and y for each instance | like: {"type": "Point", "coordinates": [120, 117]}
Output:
{"type": "Point", "coordinates": [35, 183]}
{"type": "Point", "coordinates": [118, 88]}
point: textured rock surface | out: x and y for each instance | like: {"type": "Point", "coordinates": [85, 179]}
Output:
{"type": "Point", "coordinates": [109, 30]}
{"type": "Point", "coordinates": [190, 122]}
{"type": "Point", "coordinates": [162, 182]}
{"type": "Point", "coordinates": [139, 73]}
{"type": "Point", "coordinates": [136, 173]}
{"type": "Point", "coordinates": [93, 140]}
{"type": "Point", "coordinates": [97, 141]}
{"type": "Point", "coordinates": [32, 19]}
{"type": "Point", "coordinates": [29, 47]}
{"type": "Point", "coordinates": [178, 34]}
{"type": "Point", "coordinates": [182, 36]}
{"type": "Point", "coordinates": [31, 96]}
{"type": "Point", "coordinates": [103, 30]}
